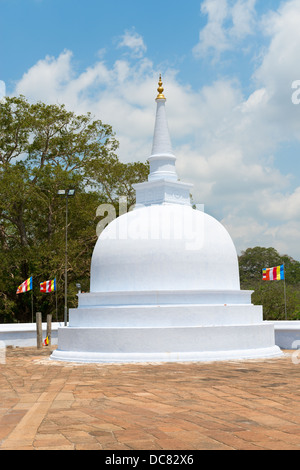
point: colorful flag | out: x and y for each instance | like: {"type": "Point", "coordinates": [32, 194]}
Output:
{"type": "Point", "coordinates": [25, 286]}
{"type": "Point", "coordinates": [273, 274]}
{"type": "Point", "coordinates": [46, 342]}
{"type": "Point", "coordinates": [48, 286]}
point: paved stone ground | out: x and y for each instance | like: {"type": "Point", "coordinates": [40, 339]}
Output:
{"type": "Point", "coordinates": [244, 405]}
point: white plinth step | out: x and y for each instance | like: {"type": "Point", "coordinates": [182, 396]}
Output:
{"type": "Point", "coordinates": [98, 344]}
{"type": "Point", "coordinates": [166, 315]}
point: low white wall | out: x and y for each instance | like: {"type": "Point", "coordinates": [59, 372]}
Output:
{"type": "Point", "coordinates": [24, 334]}
{"type": "Point", "coordinates": [287, 334]}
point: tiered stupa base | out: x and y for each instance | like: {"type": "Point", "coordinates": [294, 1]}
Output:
{"type": "Point", "coordinates": [163, 331]}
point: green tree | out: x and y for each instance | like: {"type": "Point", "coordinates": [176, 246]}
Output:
{"type": "Point", "coordinates": [44, 148]}
{"type": "Point", "coordinates": [270, 294]}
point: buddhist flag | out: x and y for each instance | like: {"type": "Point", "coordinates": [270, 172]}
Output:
{"type": "Point", "coordinates": [25, 286]}
{"type": "Point", "coordinates": [273, 274]}
{"type": "Point", "coordinates": [48, 286]}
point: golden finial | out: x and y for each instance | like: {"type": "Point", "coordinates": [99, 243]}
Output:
{"type": "Point", "coordinates": [160, 90]}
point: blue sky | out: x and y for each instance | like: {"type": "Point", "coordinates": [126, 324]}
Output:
{"type": "Point", "coordinates": [32, 29]}
{"type": "Point", "coordinates": [228, 68]}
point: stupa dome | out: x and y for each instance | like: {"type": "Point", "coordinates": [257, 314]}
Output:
{"type": "Point", "coordinates": [164, 244]}
{"type": "Point", "coordinates": [164, 247]}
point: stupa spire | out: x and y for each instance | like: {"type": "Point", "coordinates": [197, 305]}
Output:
{"type": "Point", "coordinates": [162, 146]}
{"type": "Point", "coordinates": [162, 186]}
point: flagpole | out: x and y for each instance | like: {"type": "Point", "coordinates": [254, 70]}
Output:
{"type": "Point", "coordinates": [56, 299]}
{"type": "Point", "coordinates": [32, 305]}
{"type": "Point", "coordinates": [284, 288]}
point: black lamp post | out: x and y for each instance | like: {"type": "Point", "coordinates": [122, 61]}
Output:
{"type": "Point", "coordinates": [66, 193]}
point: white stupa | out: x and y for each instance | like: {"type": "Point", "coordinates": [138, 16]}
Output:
{"type": "Point", "coordinates": [164, 282]}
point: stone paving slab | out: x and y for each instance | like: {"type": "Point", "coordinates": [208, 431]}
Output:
{"type": "Point", "coordinates": [234, 405]}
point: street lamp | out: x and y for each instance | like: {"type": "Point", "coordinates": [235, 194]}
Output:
{"type": "Point", "coordinates": [78, 287]}
{"type": "Point", "coordinates": [66, 193]}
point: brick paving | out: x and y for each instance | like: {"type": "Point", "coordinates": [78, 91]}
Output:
{"type": "Point", "coordinates": [242, 405]}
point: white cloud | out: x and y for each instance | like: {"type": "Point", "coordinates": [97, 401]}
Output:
{"type": "Point", "coordinates": [228, 23]}
{"type": "Point", "coordinates": [2, 89]}
{"type": "Point", "coordinates": [47, 76]}
{"type": "Point", "coordinates": [213, 36]}
{"type": "Point", "coordinates": [248, 232]}
{"type": "Point", "coordinates": [279, 206]}
{"type": "Point", "coordinates": [279, 68]}
{"type": "Point", "coordinates": [134, 42]}
{"type": "Point", "coordinates": [243, 18]}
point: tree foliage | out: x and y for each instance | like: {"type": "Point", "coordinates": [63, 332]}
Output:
{"type": "Point", "coordinates": [270, 294]}
{"type": "Point", "coordinates": [44, 148]}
